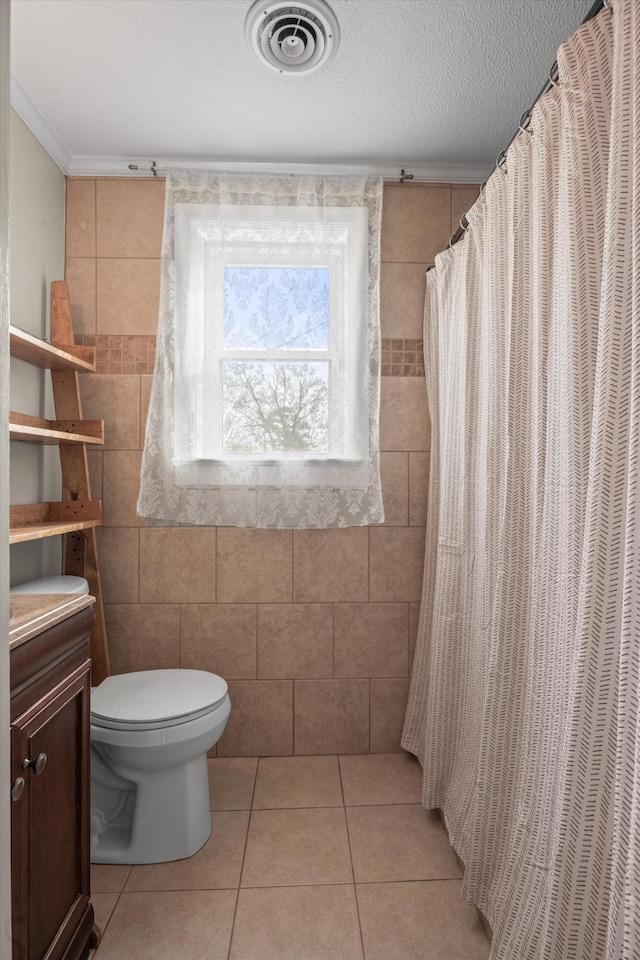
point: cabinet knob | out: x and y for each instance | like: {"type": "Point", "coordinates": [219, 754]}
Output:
{"type": "Point", "coordinates": [36, 765]}
{"type": "Point", "coordinates": [17, 788]}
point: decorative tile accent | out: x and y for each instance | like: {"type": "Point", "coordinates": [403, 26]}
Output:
{"type": "Point", "coordinates": [133, 354]}
{"type": "Point", "coordinates": [402, 358]}
{"type": "Point", "coordinates": [122, 354]}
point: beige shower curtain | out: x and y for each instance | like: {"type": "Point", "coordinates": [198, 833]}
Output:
{"type": "Point", "coordinates": [523, 709]}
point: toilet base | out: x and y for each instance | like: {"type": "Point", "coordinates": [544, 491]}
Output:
{"type": "Point", "coordinates": [164, 815]}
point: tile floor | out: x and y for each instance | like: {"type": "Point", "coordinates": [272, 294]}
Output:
{"type": "Point", "coordinates": [310, 858]}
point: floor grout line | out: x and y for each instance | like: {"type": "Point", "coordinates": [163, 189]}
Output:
{"type": "Point", "coordinates": [353, 871]}
{"type": "Point", "coordinates": [355, 887]}
{"type": "Point", "coordinates": [244, 853]}
{"type": "Point", "coordinates": [113, 909]}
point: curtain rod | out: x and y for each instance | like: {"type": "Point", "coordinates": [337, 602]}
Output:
{"type": "Point", "coordinates": [390, 173]}
{"type": "Point", "coordinates": [404, 176]}
{"type": "Point", "coordinates": [526, 118]}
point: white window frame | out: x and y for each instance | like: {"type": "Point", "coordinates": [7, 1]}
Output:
{"type": "Point", "coordinates": [209, 238]}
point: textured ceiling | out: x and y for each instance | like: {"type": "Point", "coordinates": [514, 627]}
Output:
{"type": "Point", "coordinates": [420, 83]}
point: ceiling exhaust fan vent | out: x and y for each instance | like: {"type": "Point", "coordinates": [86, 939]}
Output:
{"type": "Point", "coordinates": [293, 39]}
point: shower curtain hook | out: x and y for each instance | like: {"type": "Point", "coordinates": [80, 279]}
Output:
{"type": "Point", "coordinates": [501, 161]}
{"type": "Point", "coordinates": [483, 195]}
{"type": "Point", "coordinates": [525, 122]}
{"type": "Point", "coordinates": [464, 226]}
{"type": "Point", "coordinates": [554, 75]}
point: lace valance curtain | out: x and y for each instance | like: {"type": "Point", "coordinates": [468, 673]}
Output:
{"type": "Point", "coordinates": [265, 397]}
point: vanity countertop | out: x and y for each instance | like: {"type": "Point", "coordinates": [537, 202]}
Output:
{"type": "Point", "coordinates": [33, 613]}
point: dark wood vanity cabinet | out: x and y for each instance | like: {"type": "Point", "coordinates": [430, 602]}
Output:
{"type": "Point", "coordinates": [52, 917]}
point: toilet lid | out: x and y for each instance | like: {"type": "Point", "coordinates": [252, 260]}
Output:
{"type": "Point", "coordinates": [156, 697]}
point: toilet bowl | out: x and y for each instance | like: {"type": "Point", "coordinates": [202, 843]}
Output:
{"type": "Point", "coordinates": [150, 733]}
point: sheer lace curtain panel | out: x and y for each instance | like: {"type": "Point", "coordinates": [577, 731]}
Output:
{"type": "Point", "coordinates": [265, 397]}
{"type": "Point", "coordinates": [523, 707]}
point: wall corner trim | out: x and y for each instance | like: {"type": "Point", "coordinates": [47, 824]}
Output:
{"type": "Point", "coordinates": [39, 127]}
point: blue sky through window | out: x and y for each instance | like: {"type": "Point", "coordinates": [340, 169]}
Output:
{"type": "Point", "coordinates": [276, 308]}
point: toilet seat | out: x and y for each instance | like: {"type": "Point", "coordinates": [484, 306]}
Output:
{"type": "Point", "coordinates": [155, 699]}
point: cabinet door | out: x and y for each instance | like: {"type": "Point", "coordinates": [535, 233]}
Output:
{"type": "Point", "coordinates": [50, 823]}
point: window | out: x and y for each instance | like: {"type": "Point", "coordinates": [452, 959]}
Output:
{"type": "Point", "coordinates": [279, 362]}
{"type": "Point", "coordinates": [275, 330]}
{"type": "Point", "coordinates": [264, 406]}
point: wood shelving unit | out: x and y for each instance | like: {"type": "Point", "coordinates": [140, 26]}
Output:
{"type": "Point", "coordinates": [76, 515]}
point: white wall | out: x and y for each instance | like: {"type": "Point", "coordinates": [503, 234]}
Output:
{"type": "Point", "coordinates": [5, 803]}
{"type": "Point", "coordinates": [36, 209]}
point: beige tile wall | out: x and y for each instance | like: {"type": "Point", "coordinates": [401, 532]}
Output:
{"type": "Point", "coordinates": [313, 629]}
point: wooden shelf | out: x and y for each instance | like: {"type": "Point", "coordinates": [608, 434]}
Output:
{"type": "Point", "coordinates": [41, 354]}
{"type": "Point", "coordinates": [76, 515]}
{"type": "Point", "coordinates": [36, 430]}
{"type": "Point", "coordinates": [35, 521]}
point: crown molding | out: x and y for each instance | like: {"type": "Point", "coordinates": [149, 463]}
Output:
{"type": "Point", "coordinates": [40, 128]}
{"type": "Point", "coordinates": [117, 166]}
{"type": "Point", "coordinates": [114, 166]}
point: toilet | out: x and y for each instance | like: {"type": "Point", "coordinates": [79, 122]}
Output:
{"type": "Point", "coordinates": [150, 733]}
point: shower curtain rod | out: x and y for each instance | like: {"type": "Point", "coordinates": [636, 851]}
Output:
{"type": "Point", "coordinates": [526, 119]}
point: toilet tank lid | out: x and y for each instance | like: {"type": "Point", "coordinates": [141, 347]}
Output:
{"type": "Point", "coordinates": [156, 695]}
